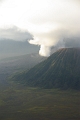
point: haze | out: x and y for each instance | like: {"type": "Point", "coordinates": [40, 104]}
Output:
{"type": "Point", "coordinates": [45, 22]}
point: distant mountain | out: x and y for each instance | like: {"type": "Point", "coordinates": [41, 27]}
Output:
{"type": "Point", "coordinates": [60, 70]}
{"type": "Point", "coordinates": [20, 63]}
{"type": "Point", "coordinates": [10, 48]}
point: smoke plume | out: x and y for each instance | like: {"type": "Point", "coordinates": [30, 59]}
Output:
{"type": "Point", "coordinates": [58, 39]}
{"type": "Point", "coordinates": [60, 27]}
{"type": "Point", "coordinates": [53, 23]}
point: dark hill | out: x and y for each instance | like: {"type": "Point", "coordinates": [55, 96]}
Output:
{"type": "Point", "coordinates": [60, 70]}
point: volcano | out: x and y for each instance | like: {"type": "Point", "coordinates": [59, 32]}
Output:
{"type": "Point", "coordinates": [60, 70]}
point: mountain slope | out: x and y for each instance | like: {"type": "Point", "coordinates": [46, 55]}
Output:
{"type": "Point", "coordinates": [60, 70]}
{"type": "Point", "coordinates": [19, 63]}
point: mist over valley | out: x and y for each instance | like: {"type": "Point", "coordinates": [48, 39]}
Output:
{"type": "Point", "coordinates": [40, 60]}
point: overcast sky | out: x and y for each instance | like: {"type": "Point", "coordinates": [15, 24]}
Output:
{"type": "Point", "coordinates": [47, 20]}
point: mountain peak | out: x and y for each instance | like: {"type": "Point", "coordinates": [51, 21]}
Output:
{"type": "Point", "coordinates": [60, 70]}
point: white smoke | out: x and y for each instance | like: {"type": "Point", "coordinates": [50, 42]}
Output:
{"type": "Point", "coordinates": [53, 38]}
{"type": "Point", "coordinates": [45, 50]}
{"type": "Point", "coordinates": [58, 22]}
{"type": "Point", "coordinates": [49, 21]}
{"type": "Point", "coordinates": [45, 44]}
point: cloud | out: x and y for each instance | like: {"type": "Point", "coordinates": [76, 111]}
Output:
{"type": "Point", "coordinates": [72, 42]}
{"type": "Point", "coordinates": [15, 33]}
{"type": "Point", "coordinates": [61, 37]}
{"type": "Point", "coordinates": [49, 21]}
{"type": "Point", "coordinates": [1, 1]}
{"type": "Point", "coordinates": [61, 21]}
{"type": "Point", "coordinates": [77, 1]}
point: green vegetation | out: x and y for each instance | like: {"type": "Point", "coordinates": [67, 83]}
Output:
{"type": "Point", "coordinates": [24, 96]}
{"type": "Point", "coordinates": [60, 70]}
{"type": "Point", "coordinates": [27, 103]}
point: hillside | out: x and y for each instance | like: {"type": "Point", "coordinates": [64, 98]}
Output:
{"type": "Point", "coordinates": [19, 63]}
{"type": "Point", "coordinates": [60, 70]}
